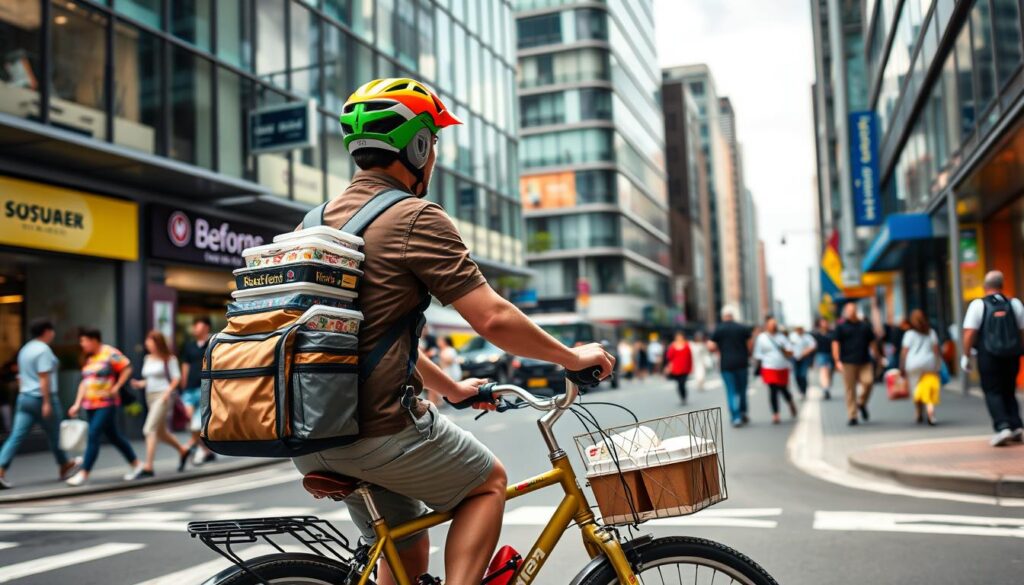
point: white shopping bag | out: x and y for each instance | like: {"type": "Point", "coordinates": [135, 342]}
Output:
{"type": "Point", "coordinates": [73, 435]}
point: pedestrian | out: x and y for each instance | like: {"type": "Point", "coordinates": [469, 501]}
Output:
{"type": "Point", "coordinates": [701, 360]}
{"type": "Point", "coordinates": [679, 362]}
{"type": "Point", "coordinates": [655, 353]}
{"type": "Point", "coordinates": [993, 326]}
{"type": "Point", "coordinates": [38, 402]}
{"type": "Point", "coordinates": [823, 356]}
{"type": "Point", "coordinates": [105, 370]}
{"type": "Point", "coordinates": [448, 359]}
{"type": "Point", "coordinates": [854, 348]}
{"type": "Point", "coordinates": [161, 378]}
{"type": "Point", "coordinates": [773, 351]}
{"type": "Point", "coordinates": [192, 352]}
{"type": "Point", "coordinates": [626, 363]}
{"type": "Point", "coordinates": [804, 346]}
{"type": "Point", "coordinates": [732, 342]}
{"type": "Point", "coordinates": [643, 362]}
{"type": "Point", "coordinates": [919, 363]}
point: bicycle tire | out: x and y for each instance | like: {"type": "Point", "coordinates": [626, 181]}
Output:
{"type": "Point", "coordinates": [285, 569]}
{"type": "Point", "coordinates": [714, 557]}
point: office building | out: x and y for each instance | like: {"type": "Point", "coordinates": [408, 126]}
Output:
{"type": "Point", "coordinates": [592, 156]}
{"type": "Point", "coordinates": [138, 161]}
{"type": "Point", "coordinates": [689, 208]}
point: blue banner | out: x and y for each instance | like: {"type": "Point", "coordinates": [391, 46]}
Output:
{"type": "Point", "coordinates": [867, 205]}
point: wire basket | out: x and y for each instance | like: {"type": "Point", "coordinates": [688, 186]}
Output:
{"type": "Point", "coordinates": [659, 468]}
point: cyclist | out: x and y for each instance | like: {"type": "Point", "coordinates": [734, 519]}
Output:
{"type": "Point", "coordinates": [417, 458]}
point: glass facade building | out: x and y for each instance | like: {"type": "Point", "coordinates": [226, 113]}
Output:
{"type": "Point", "coordinates": [591, 147]}
{"type": "Point", "coordinates": [138, 112]}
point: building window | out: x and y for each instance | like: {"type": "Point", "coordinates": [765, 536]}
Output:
{"type": "Point", "coordinates": [427, 61]}
{"type": "Point", "coordinates": [951, 105]}
{"type": "Point", "coordinates": [234, 35]}
{"type": "Point", "coordinates": [386, 26]}
{"type": "Point", "coordinates": [697, 88]}
{"type": "Point", "coordinates": [190, 21]}
{"type": "Point", "coordinates": [984, 55]}
{"type": "Point", "coordinates": [535, 31]}
{"type": "Point", "coordinates": [305, 52]}
{"type": "Point", "coordinates": [234, 100]}
{"type": "Point", "coordinates": [145, 11]}
{"type": "Point", "coordinates": [1006, 19]}
{"type": "Point", "coordinates": [271, 51]}
{"type": "Point", "coordinates": [78, 100]}
{"type": "Point", "coordinates": [138, 109]}
{"type": "Point", "coordinates": [191, 109]}
{"type": "Point", "coordinates": [407, 37]}
{"type": "Point", "coordinates": [965, 84]}
{"type": "Point", "coordinates": [573, 146]}
{"type": "Point", "coordinates": [20, 73]}
{"type": "Point", "coordinates": [542, 110]}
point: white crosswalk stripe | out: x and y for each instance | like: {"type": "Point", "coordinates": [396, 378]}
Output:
{"type": "Point", "coordinates": [920, 523]}
{"type": "Point", "coordinates": [53, 562]}
{"type": "Point", "coordinates": [7, 545]}
{"type": "Point", "coordinates": [201, 572]}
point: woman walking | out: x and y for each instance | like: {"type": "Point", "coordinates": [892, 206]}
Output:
{"type": "Point", "coordinates": [161, 377]}
{"type": "Point", "coordinates": [920, 362]}
{"type": "Point", "coordinates": [774, 351]}
{"type": "Point", "coordinates": [448, 359]}
{"type": "Point", "coordinates": [105, 370]}
{"type": "Point", "coordinates": [679, 362]}
{"type": "Point", "coordinates": [701, 360]}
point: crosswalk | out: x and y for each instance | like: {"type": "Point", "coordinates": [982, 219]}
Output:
{"type": "Point", "coordinates": [59, 561]}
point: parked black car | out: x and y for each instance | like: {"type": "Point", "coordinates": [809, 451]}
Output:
{"type": "Point", "coordinates": [482, 359]}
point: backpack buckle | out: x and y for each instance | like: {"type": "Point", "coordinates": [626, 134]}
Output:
{"type": "Point", "coordinates": [408, 397]}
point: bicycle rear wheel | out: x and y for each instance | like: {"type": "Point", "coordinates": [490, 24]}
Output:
{"type": "Point", "coordinates": [681, 560]}
{"type": "Point", "coordinates": [285, 569]}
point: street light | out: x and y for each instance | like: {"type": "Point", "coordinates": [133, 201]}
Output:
{"type": "Point", "coordinates": [782, 240]}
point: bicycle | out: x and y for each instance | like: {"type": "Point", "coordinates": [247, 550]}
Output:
{"type": "Point", "coordinates": [332, 559]}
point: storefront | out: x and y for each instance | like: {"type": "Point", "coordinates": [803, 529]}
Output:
{"type": "Point", "coordinates": [62, 256]}
{"type": "Point", "coordinates": [191, 258]}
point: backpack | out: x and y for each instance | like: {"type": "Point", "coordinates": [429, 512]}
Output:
{"type": "Point", "coordinates": [1000, 335]}
{"type": "Point", "coordinates": [276, 386]}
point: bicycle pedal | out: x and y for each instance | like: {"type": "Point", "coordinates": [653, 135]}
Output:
{"type": "Point", "coordinates": [426, 579]}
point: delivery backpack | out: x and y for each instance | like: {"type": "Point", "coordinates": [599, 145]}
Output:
{"type": "Point", "coordinates": [272, 387]}
{"type": "Point", "coordinates": [999, 333]}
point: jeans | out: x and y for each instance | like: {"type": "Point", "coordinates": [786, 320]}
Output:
{"type": "Point", "coordinates": [999, 383]}
{"type": "Point", "coordinates": [800, 368]}
{"type": "Point", "coordinates": [103, 421]}
{"type": "Point", "coordinates": [681, 381]}
{"type": "Point", "coordinates": [736, 390]}
{"type": "Point", "coordinates": [28, 411]}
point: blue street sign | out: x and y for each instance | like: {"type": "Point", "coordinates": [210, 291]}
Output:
{"type": "Point", "coordinates": [282, 128]}
{"type": "Point", "coordinates": [867, 205]}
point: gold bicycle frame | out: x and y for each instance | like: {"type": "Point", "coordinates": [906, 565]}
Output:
{"type": "Point", "coordinates": [573, 507]}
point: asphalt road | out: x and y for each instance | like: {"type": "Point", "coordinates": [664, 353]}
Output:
{"type": "Point", "coordinates": [801, 529]}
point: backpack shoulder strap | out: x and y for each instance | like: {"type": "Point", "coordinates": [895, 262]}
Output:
{"type": "Point", "coordinates": [372, 209]}
{"type": "Point", "coordinates": [315, 217]}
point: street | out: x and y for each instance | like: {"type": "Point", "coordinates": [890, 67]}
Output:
{"type": "Point", "coordinates": [801, 529]}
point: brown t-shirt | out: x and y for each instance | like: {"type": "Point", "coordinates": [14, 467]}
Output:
{"type": "Point", "coordinates": [411, 245]}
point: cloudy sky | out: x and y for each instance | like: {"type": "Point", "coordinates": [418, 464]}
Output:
{"type": "Point", "coordinates": [762, 57]}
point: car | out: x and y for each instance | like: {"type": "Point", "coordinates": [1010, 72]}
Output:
{"type": "Point", "coordinates": [482, 359]}
{"type": "Point", "coordinates": [571, 330]}
{"type": "Point", "coordinates": [538, 376]}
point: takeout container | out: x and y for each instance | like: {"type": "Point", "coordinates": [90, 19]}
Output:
{"type": "Point", "coordinates": [329, 234]}
{"type": "Point", "coordinates": [332, 319]}
{"type": "Point", "coordinates": [294, 295]}
{"type": "Point", "coordinates": [304, 272]}
{"type": "Point", "coordinates": [302, 249]}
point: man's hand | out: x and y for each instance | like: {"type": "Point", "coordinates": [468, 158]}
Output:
{"type": "Point", "coordinates": [965, 363]}
{"type": "Point", "coordinates": [73, 411]}
{"type": "Point", "coordinates": [467, 389]}
{"type": "Point", "coordinates": [839, 367]}
{"type": "Point", "coordinates": [590, 355]}
{"type": "Point", "coordinates": [47, 409]}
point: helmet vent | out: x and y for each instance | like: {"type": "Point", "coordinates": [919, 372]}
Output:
{"type": "Point", "coordinates": [383, 126]}
{"type": "Point", "coordinates": [437, 104]}
{"type": "Point", "coordinates": [346, 128]}
{"type": "Point", "coordinates": [396, 87]}
{"type": "Point", "coordinates": [419, 89]}
{"type": "Point", "coordinates": [377, 105]}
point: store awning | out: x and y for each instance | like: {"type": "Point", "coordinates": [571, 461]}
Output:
{"type": "Point", "coordinates": [899, 230]}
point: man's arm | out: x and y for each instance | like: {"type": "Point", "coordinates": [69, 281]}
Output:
{"type": "Point", "coordinates": [185, 366]}
{"type": "Point", "coordinates": [835, 355]}
{"type": "Point", "coordinates": [501, 323]}
{"type": "Point", "coordinates": [44, 390]}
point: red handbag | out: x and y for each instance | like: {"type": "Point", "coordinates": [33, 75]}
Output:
{"type": "Point", "coordinates": [896, 385]}
{"type": "Point", "coordinates": [179, 415]}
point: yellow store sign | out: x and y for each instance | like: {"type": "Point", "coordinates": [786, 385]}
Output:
{"type": "Point", "coordinates": [44, 217]}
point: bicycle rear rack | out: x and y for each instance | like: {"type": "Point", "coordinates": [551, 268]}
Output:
{"type": "Point", "coordinates": [318, 536]}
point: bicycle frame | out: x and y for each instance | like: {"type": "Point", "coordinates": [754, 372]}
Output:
{"type": "Point", "coordinates": [573, 507]}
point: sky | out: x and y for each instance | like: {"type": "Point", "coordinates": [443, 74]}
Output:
{"type": "Point", "coordinates": [761, 55]}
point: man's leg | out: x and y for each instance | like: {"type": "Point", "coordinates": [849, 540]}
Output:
{"type": "Point", "coordinates": [850, 376]}
{"type": "Point", "coordinates": [27, 412]}
{"type": "Point", "coordinates": [51, 426]}
{"type": "Point", "coordinates": [866, 375]}
{"type": "Point", "coordinates": [732, 398]}
{"type": "Point", "coordinates": [742, 381]}
{"type": "Point", "coordinates": [474, 531]}
{"type": "Point", "coordinates": [992, 384]}
{"type": "Point", "coordinates": [1009, 393]}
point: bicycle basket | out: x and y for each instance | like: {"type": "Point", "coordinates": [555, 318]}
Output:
{"type": "Point", "coordinates": [663, 467]}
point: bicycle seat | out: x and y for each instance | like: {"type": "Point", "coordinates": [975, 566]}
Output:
{"type": "Point", "coordinates": [324, 484]}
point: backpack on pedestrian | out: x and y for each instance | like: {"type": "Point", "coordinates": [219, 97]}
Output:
{"type": "Point", "coordinates": [1000, 335]}
{"type": "Point", "coordinates": [276, 382]}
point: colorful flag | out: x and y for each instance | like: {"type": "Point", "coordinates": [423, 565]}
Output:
{"type": "Point", "coordinates": [831, 277]}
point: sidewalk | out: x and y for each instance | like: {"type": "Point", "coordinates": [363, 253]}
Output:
{"type": "Point", "coordinates": [954, 455]}
{"type": "Point", "coordinates": [34, 475]}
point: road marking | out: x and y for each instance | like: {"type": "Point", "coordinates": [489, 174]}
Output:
{"type": "Point", "coordinates": [7, 545]}
{"type": "Point", "coordinates": [201, 572]}
{"type": "Point", "coordinates": [205, 508]}
{"type": "Point", "coordinates": [805, 449]}
{"type": "Point", "coordinates": [919, 523]}
{"type": "Point", "coordinates": [151, 516]}
{"type": "Point", "coordinates": [69, 517]}
{"type": "Point", "coordinates": [267, 513]}
{"type": "Point", "coordinates": [44, 564]}
{"type": "Point", "coordinates": [9, 517]}
{"type": "Point", "coordinates": [93, 526]}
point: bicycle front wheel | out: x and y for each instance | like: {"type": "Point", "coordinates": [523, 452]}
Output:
{"type": "Point", "coordinates": [681, 560]}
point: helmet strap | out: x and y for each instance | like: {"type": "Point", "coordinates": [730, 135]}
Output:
{"type": "Point", "coordinates": [416, 172]}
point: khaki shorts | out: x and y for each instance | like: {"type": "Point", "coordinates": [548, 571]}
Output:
{"type": "Point", "coordinates": [430, 465]}
{"type": "Point", "coordinates": [157, 415]}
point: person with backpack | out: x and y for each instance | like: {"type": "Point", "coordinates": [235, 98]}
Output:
{"type": "Point", "coordinates": [993, 327]}
{"type": "Point", "coordinates": [417, 458]}
{"type": "Point", "coordinates": [161, 377]}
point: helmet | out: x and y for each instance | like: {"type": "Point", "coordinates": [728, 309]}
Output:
{"type": "Point", "coordinates": [396, 114]}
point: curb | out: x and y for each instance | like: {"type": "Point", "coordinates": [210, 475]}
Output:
{"type": "Point", "coordinates": [170, 478]}
{"type": "Point", "coordinates": [1000, 486]}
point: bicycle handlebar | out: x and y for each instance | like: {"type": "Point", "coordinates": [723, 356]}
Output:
{"type": "Point", "coordinates": [491, 392]}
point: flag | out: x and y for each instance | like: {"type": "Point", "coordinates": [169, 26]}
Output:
{"type": "Point", "coordinates": [831, 277]}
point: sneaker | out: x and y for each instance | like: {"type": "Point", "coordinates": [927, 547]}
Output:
{"type": "Point", "coordinates": [864, 412]}
{"type": "Point", "coordinates": [202, 456]}
{"type": "Point", "coordinates": [852, 422]}
{"type": "Point", "coordinates": [792, 409]}
{"type": "Point", "coordinates": [737, 423]}
{"type": "Point", "coordinates": [70, 468]}
{"type": "Point", "coordinates": [135, 473]}
{"type": "Point", "coordinates": [1018, 435]}
{"type": "Point", "coordinates": [77, 479]}
{"type": "Point", "coordinates": [775, 419]}
{"type": "Point", "coordinates": [4, 484]}
{"type": "Point", "coordinates": [828, 395]}
{"type": "Point", "coordinates": [746, 419]}
{"type": "Point", "coordinates": [1001, 438]}
{"type": "Point", "coordinates": [188, 454]}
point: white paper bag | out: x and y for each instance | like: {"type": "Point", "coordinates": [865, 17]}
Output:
{"type": "Point", "coordinates": [74, 434]}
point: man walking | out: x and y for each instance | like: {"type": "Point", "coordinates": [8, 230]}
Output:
{"type": "Point", "coordinates": [732, 342]}
{"type": "Point", "coordinates": [191, 369]}
{"type": "Point", "coordinates": [993, 326]}
{"type": "Point", "coordinates": [804, 346]}
{"type": "Point", "coordinates": [852, 349]}
{"type": "Point", "coordinates": [37, 401]}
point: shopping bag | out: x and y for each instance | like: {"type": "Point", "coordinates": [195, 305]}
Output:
{"type": "Point", "coordinates": [179, 415]}
{"type": "Point", "coordinates": [896, 385]}
{"type": "Point", "coordinates": [74, 434]}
